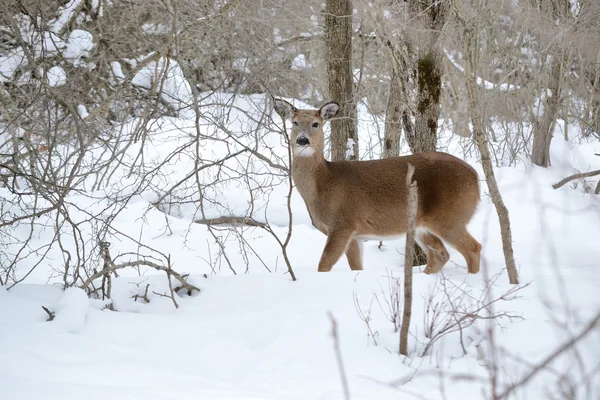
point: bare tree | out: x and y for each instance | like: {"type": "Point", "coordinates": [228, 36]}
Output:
{"type": "Point", "coordinates": [470, 49]}
{"type": "Point", "coordinates": [544, 127]}
{"type": "Point", "coordinates": [81, 104]}
{"type": "Point", "coordinates": [338, 55]}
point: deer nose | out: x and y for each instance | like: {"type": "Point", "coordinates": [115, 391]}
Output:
{"type": "Point", "coordinates": [302, 141]}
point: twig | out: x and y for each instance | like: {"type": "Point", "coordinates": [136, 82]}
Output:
{"type": "Point", "coordinates": [51, 314]}
{"type": "Point", "coordinates": [139, 263]}
{"type": "Point", "coordinates": [576, 176]}
{"type": "Point", "coordinates": [143, 296]}
{"type": "Point", "coordinates": [169, 272]}
{"type": "Point", "coordinates": [284, 244]}
{"type": "Point", "coordinates": [365, 318]}
{"type": "Point", "coordinates": [566, 346]}
{"type": "Point", "coordinates": [338, 356]}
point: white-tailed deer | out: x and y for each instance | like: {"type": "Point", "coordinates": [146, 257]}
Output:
{"type": "Point", "coordinates": [351, 201]}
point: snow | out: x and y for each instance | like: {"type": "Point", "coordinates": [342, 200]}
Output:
{"type": "Point", "coordinates": [480, 81]}
{"type": "Point", "coordinates": [82, 111]}
{"type": "Point", "coordinates": [65, 14]}
{"type": "Point", "coordinates": [164, 74]}
{"type": "Point", "coordinates": [56, 76]}
{"type": "Point", "coordinates": [9, 63]}
{"type": "Point", "coordinates": [118, 71]}
{"type": "Point", "coordinates": [71, 310]}
{"type": "Point", "coordinates": [350, 148]}
{"type": "Point", "coordinates": [79, 45]}
{"type": "Point", "coordinates": [299, 63]}
{"type": "Point", "coordinates": [259, 335]}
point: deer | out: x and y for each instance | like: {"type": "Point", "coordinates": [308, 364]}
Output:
{"type": "Point", "coordinates": [354, 201]}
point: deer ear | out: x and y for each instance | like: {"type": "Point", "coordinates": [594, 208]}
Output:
{"type": "Point", "coordinates": [329, 110]}
{"type": "Point", "coordinates": [284, 109]}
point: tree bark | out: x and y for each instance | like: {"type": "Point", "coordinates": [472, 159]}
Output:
{"type": "Point", "coordinates": [393, 117]}
{"type": "Point", "coordinates": [411, 215]}
{"type": "Point", "coordinates": [543, 129]}
{"type": "Point", "coordinates": [542, 132]}
{"type": "Point", "coordinates": [470, 46]}
{"type": "Point", "coordinates": [338, 44]}
{"type": "Point", "coordinates": [423, 136]}
{"type": "Point", "coordinates": [429, 78]}
{"type": "Point", "coordinates": [431, 15]}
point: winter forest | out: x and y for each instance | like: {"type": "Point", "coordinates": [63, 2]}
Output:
{"type": "Point", "coordinates": [155, 245]}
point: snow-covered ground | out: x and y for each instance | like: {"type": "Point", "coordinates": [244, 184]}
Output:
{"type": "Point", "coordinates": [259, 335]}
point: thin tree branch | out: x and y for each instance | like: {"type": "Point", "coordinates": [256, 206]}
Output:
{"type": "Point", "coordinates": [139, 263]}
{"type": "Point", "coordinates": [338, 356]}
{"type": "Point", "coordinates": [232, 221]}
{"type": "Point", "coordinates": [543, 364]}
{"type": "Point", "coordinates": [575, 176]}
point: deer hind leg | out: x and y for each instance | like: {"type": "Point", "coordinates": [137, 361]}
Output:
{"type": "Point", "coordinates": [354, 255]}
{"type": "Point", "coordinates": [467, 246]}
{"type": "Point", "coordinates": [437, 255]}
{"type": "Point", "coordinates": [337, 243]}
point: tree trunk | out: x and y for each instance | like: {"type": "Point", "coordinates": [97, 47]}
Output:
{"type": "Point", "coordinates": [470, 46]}
{"type": "Point", "coordinates": [422, 136]}
{"type": "Point", "coordinates": [542, 132]}
{"type": "Point", "coordinates": [338, 44]}
{"type": "Point", "coordinates": [430, 15]}
{"type": "Point", "coordinates": [396, 117]}
{"type": "Point", "coordinates": [411, 215]}
{"type": "Point", "coordinates": [429, 78]}
{"type": "Point", "coordinates": [543, 129]}
{"type": "Point", "coordinates": [393, 117]}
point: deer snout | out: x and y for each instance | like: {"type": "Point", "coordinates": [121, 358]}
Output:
{"type": "Point", "coordinates": [302, 141]}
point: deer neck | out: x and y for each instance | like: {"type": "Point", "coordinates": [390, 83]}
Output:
{"type": "Point", "coordinates": [306, 171]}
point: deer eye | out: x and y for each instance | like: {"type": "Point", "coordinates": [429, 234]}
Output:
{"type": "Point", "coordinates": [315, 124]}
{"type": "Point", "coordinates": [296, 123]}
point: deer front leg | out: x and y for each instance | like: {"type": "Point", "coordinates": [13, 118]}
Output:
{"type": "Point", "coordinates": [354, 255]}
{"type": "Point", "coordinates": [337, 243]}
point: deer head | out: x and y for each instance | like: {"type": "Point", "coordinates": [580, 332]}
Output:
{"type": "Point", "coordinates": [307, 136]}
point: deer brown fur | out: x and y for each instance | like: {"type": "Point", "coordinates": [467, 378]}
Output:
{"type": "Point", "coordinates": [351, 201]}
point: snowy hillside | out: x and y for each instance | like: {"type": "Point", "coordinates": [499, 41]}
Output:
{"type": "Point", "coordinates": [259, 335]}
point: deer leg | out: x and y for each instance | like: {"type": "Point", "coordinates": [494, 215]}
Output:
{"type": "Point", "coordinates": [467, 246]}
{"type": "Point", "coordinates": [337, 243]}
{"type": "Point", "coordinates": [354, 255]}
{"type": "Point", "coordinates": [437, 255]}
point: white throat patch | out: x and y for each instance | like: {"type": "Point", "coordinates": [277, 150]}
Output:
{"type": "Point", "coordinates": [304, 151]}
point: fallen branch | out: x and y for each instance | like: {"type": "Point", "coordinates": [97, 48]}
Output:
{"type": "Point", "coordinates": [232, 221]}
{"type": "Point", "coordinates": [140, 263]}
{"type": "Point", "coordinates": [577, 176]}
{"type": "Point", "coordinates": [110, 267]}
